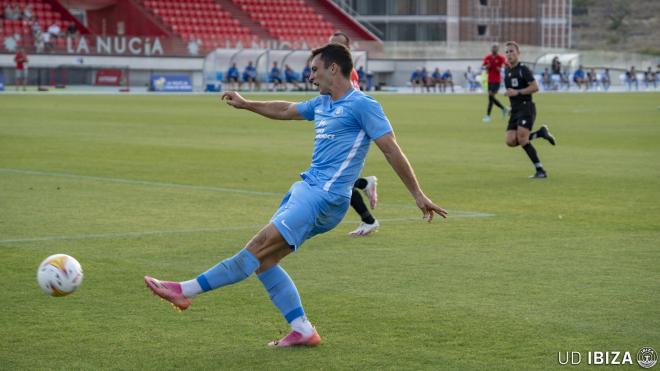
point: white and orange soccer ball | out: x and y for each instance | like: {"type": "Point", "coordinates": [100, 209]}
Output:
{"type": "Point", "coordinates": [59, 275]}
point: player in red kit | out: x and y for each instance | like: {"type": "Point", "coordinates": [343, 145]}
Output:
{"type": "Point", "coordinates": [21, 60]}
{"type": "Point", "coordinates": [493, 63]}
{"type": "Point", "coordinates": [343, 39]}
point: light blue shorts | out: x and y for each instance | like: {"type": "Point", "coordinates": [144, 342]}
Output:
{"type": "Point", "coordinates": [306, 211]}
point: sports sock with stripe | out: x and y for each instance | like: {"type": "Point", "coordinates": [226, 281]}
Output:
{"type": "Point", "coordinates": [228, 271]}
{"type": "Point", "coordinates": [284, 294]}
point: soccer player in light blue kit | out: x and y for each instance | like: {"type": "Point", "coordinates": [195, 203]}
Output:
{"type": "Point", "coordinates": [346, 121]}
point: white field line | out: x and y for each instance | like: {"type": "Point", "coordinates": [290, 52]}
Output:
{"type": "Point", "coordinates": [453, 214]}
{"type": "Point", "coordinates": [110, 235]}
{"type": "Point", "coordinates": [129, 234]}
{"type": "Point", "coordinates": [137, 182]}
{"type": "Point", "coordinates": [465, 214]}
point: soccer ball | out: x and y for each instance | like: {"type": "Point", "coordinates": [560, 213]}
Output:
{"type": "Point", "coordinates": [59, 275]}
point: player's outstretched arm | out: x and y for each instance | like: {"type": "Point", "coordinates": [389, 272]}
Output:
{"type": "Point", "coordinates": [390, 148]}
{"type": "Point", "coordinates": [278, 110]}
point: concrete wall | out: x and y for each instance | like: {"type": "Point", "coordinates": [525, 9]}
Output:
{"type": "Point", "coordinates": [141, 68]}
{"type": "Point", "coordinates": [391, 71]}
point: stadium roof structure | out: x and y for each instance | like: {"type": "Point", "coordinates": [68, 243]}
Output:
{"type": "Point", "coordinates": [572, 60]}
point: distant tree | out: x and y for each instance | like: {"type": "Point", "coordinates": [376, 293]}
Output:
{"type": "Point", "coordinates": [617, 14]}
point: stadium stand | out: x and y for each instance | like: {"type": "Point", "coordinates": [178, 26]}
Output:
{"type": "Point", "coordinates": [203, 20]}
{"type": "Point", "coordinates": [210, 23]}
{"type": "Point", "coordinates": [43, 13]}
{"type": "Point", "coordinates": [288, 19]}
{"type": "Point", "coordinates": [215, 22]}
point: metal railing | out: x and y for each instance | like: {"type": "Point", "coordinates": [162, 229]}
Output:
{"type": "Point", "coordinates": [345, 6]}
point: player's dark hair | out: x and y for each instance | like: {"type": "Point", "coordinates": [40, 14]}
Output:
{"type": "Point", "coordinates": [335, 53]}
{"type": "Point", "coordinates": [348, 39]}
{"type": "Point", "coordinates": [513, 43]}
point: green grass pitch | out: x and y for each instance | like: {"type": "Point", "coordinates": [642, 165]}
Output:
{"type": "Point", "coordinates": [169, 185]}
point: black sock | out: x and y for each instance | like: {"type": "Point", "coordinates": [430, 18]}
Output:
{"type": "Point", "coordinates": [497, 102]}
{"type": "Point", "coordinates": [535, 135]}
{"type": "Point", "coordinates": [490, 104]}
{"type": "Point", "coordinates": [361, 208]}
{"type": "Point", "coordinates": [361, 183]}
{"type": "Point", "coordinates": [531, 153]}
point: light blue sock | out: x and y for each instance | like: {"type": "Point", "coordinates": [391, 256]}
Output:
{"type": "Point", "coordinates": [232, 270]}
{"type": "Point", "coordinates": [282, 292]}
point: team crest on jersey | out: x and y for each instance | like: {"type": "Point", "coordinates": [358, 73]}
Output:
{"type": "Point", "coordinates": [339, 111]}
{"type": "Point", "coordinates": [514, 82]}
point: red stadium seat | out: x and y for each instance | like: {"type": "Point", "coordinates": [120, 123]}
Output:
{"type": "Point", "coordinates": [286, 19]}
{"type": "Point", "coordinates": [204, 19]}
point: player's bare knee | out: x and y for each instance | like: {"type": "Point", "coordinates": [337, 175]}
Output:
{"type": "Point", "coordinates": [511, 139]}
{"type": "Point", "coordinates": [267, 263]}
{"type": "Point", "coordinates": [262, 249]}
{"type": "Point", "coordinates": [256, 250]}
{"type": "Point", "coordinates": [272, 255]}
{"type": "Point", "coordinates": [268, 244]}
{"type": "Point", "coordinates": [257, 244]}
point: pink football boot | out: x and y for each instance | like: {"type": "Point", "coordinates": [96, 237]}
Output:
{"type": "Point", "coordinates": [294, 338]}
{"type": "Point", "coordinates": [170, 291]}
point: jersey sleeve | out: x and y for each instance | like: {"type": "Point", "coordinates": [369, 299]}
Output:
{"type": "Point", "coordinates": [527, 74]}
{"type": "Point", "coordinates": [372, 119]}
{"type": "Point", "coordinates": [306, 108]}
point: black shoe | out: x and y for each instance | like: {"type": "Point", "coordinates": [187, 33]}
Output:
{"type": "Point", "coordinates": [540, 174]}
{"type": "Point", "coordinates": [545, 133]}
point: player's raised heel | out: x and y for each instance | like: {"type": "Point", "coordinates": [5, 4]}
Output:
{"type": "Point", "coordinates": [545, 132]}
{"type": "Point", "coordinates": [294, 338]}
{"type": "Point", "coordinates": [170, 291]}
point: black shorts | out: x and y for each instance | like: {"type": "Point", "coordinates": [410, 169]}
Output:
{"type": "Point", "coordinates": [522, 116]}
{"type": "Point", "coordinates": [493, 87]}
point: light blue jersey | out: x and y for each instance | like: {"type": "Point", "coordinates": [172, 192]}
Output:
{"type": "Point", "coordinates": [344, 131]}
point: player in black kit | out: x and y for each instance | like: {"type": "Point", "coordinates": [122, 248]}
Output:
{"type": "Point", "coordinates": [520, 85]}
